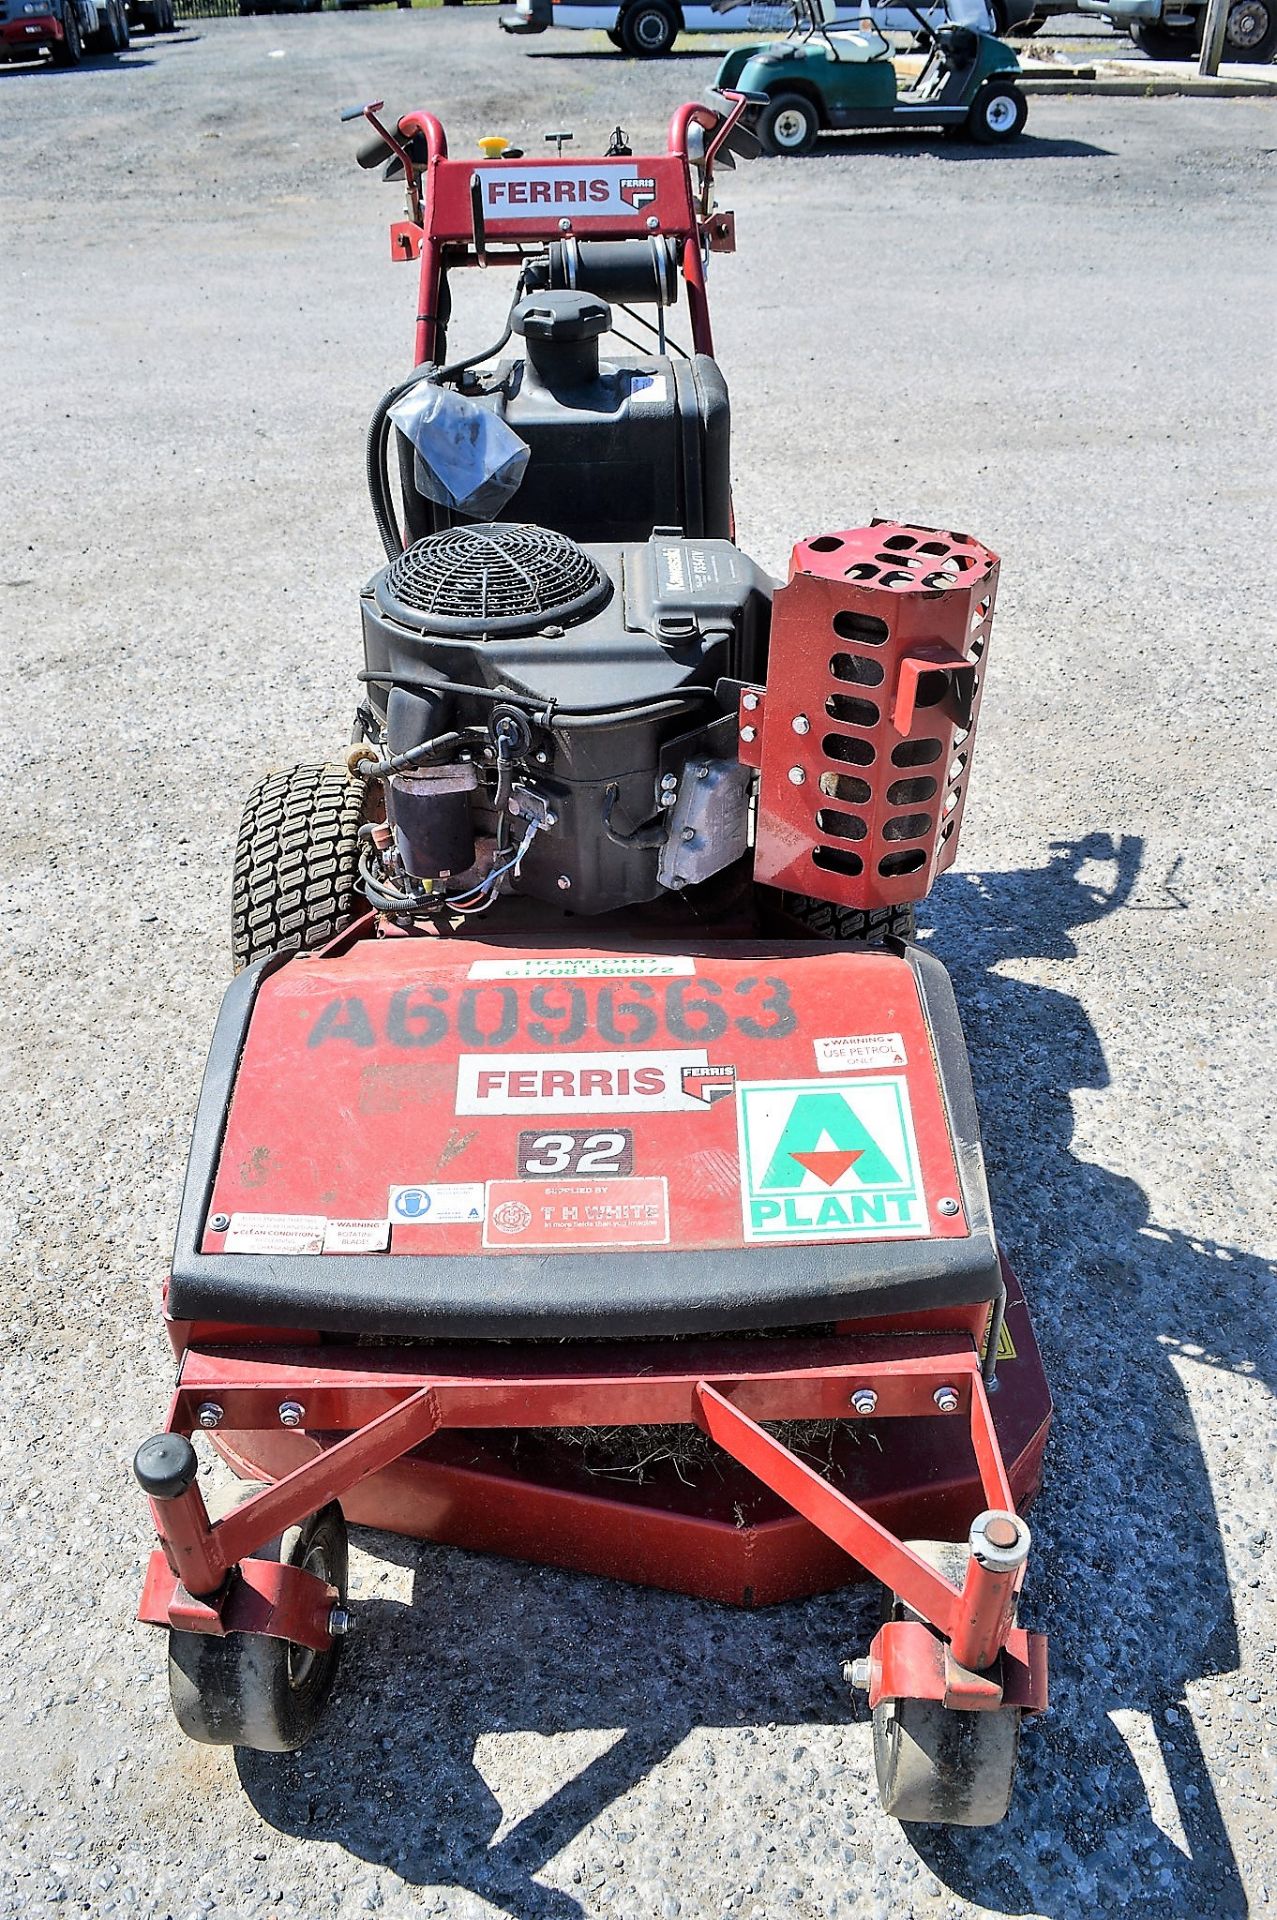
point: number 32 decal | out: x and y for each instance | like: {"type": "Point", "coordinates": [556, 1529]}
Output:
{"type": "Point", "coordinates": [541, 1154]}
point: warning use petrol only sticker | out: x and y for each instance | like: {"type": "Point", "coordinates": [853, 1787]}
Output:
{"type": "Point", "coordinates": [829, 1160]}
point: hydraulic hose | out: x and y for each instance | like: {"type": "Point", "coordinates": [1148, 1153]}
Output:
{"type": "Point", "coordinates": [379, 429]}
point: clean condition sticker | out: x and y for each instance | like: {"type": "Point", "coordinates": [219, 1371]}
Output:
{"type": "Point", "coordinates": [577, 1213]}
{"type": "Point", "coordinates": [633, 966]}
{"type": "Point", "coordinates": [437, 1206]}
{"type": "Point", "coordinates": [829, 1160]}
{"type": "Point", "coordinates": [275, 1233]}
{"type": "Point", "coordinates": [654, 1082]}
{"type": "Point", "coordinates": [849, 1052]}
{"type": "Point", "coordinates": [356, 1236]}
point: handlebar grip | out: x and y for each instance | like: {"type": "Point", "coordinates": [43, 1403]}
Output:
{"type": "Point", "coordinates": [373, 152]}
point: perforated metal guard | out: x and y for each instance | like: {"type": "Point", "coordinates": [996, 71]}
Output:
{"type": "Point", "coordinates": [491, 579]}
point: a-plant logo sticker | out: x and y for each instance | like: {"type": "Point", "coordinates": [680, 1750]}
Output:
{"type": "Point", "coordinates": [829, 1160]}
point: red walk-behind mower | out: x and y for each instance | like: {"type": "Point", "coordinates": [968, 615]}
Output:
{"type": "Point", "coordinates": [586, 1167]}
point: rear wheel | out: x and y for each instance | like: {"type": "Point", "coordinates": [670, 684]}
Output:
{"type": "Point", "coordinates": [936, 1765]}
{"type": "Point", "coordinates": [615, 38]}
{"type": "Point", "coordinates": [830, 922]}
{"type": "Point", "coordinates": [69, 50]}
{"type": "Point", "coordinates": [1251, 31]}
{"type": "Point", "coordinates": [997, 113]}
{"type": "Point", "coordinates": [296, 862]}
{"type": "Point", "coordinates": [246, 1689]}
{"type": "Point", "coordinates": [648, 29]}
{"type": "Point", "coordinates": [788, 124]}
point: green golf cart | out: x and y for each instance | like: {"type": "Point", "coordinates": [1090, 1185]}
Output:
{"type": "Point", "coordinates": [817, 79]}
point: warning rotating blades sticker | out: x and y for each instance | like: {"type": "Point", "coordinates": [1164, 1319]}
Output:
{"type": "Point", "coordinates": [829, 1160]}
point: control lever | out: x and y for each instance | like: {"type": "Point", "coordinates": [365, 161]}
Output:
{"type": "Point", "coordinates": [558, 139]}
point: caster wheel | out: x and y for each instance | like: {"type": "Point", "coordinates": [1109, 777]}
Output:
{"type": "Point", "coordinates": [937, 1766]}
{"type": "Point", "coordinates": [247, 1690]}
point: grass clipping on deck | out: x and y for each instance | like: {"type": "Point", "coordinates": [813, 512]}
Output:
{"type": "Point", "coordinates": [640, 1453]}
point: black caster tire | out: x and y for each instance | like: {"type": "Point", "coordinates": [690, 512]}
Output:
{"type": "Point", "coordinates": [296, 862]}
{"type": "Point", "coordinates": [937, 1766]}
{"type": "Point", "coordinates": [648, 29]}
{"type": "Point", "coordinates": [830, 922]}
{"type": "Point", "coordinates": [998, 114]}
{"type": "Point", "coordinates": [246, 1690]}
{"type": "Point", "coordinates": [788, 124]}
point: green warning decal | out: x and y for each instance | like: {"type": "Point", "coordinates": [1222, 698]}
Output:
{"type": "Point", "coordinates": [829, 1160]}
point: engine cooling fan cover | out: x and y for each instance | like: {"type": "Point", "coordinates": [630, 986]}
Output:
{"type": "Point", "coordinates": [491, 579]}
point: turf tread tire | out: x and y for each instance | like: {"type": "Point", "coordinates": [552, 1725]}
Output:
{"type": "Point", "coordinates": [831, 922]}
{"type": "Point", "coordinates": [296, 874]}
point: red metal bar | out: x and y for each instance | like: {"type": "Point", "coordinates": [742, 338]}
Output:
{"type": "Point", "coordinates": [984, 1612]}
{"type": "Point", "coordinates": [284, 1602]}
{"type": "Point", "coordinates": [190, 1547]}
{"type": "Point", "coordinates": [988, 1454]}
{"type": "Point", "coordinates": [846, 1523]}
{"type": "Point", "coordinates": [345, 1388]}
{"type": "Point", "coordinates": [336, 1471]}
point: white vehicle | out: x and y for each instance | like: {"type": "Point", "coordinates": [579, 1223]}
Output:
{"type": "Point", "coordinates": [1172, 29]}
{"type": "Point", "coordinates": [648, 28]}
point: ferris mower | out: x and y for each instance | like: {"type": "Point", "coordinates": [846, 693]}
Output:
{"type": "Point", "coordinates": [586, 1168]}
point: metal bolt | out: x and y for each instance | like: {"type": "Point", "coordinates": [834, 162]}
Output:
{"type": "Point", "coordinates": [542, 759]}
{"type": "Point", "coordinates": [291, 1413]}
{"type": "Point", "coordinates": [339, 1622]}
{"type": "Point", "coordinates": [749, 733]}
{"type": "Point", "coordinates": [864, 1400]}
{"type": "Point", "coordinates": [946, 1398]}
{"type": "Point", "coordinates": [749, 701]}
{"type": "Point", "coordinates": [947, 1206]}
{"type": "Point", "coordinates": [565, 226]}
{"type": "Point", "coordinates": [689, 834]}
{"type": "Point", "coordinates": [800, 723]}
{"type": "Point", "coordinates": [856, 1674]}
{"type": "Point", "coordinates": [209, 1414]}
{"type": "Point", "coordinates": [677, 881]}
{"type": "Point", "coordinates": [797, 775]}
{"type": "Point", "coordinates": [564, 882]}
{"type": "Point", "coordinates": [701, 772]}
{"type": "Point", "coordinates": [653, 224]}
{"type": "Point", "coordinates": [218, 1222]}
{"type": "Point", "coordinates": [669, 781]}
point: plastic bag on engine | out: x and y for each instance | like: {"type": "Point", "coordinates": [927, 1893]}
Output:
{"type": "Point", "coordinates": [467, 458]}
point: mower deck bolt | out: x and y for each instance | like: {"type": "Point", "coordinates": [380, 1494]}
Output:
{"type": "Point", "coordinates": [209, 1414]}
{"type": "Point", "coordinates": [563, 882]}
{"type": "Point", "coordinates": [218, 1222]}
{"type": "Point", "coordinates": [668, 781]}
{"type": "Point", "coordinates": [800, 723]}
{"type": "Point", "coordinates": [749, 733]}
{"type": "Point", "coordinates": [291, 1413]}
{"type": "Point", "coordinates": [749, 701]}
{"type": "Point", "coordinates": [653, 224]}
{"type": "Point", "coordinates": [797, 775]}
{"type": "Point", "coordinates": [856, 1674]}
{"type": "Point", "coordinates": [946, 1398]}
{"type": "Point", "coordinates": [864, 1400]}
{"type": "Point", "coordinates": [947, 1206]}
{"type": "Point", "coordinates": [689, 834]}
{"type": "Point", "coordinates": [338, 1622]}
{"type": "Point", "coordinates": [542, 759]}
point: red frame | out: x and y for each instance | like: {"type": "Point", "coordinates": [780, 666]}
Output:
{"type": "Point", "coordinates": [384, 1402]}
{"type": "Point", "coordinates": [440, 228]}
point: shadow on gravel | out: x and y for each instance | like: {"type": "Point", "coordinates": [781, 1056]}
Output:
{"type": "Point", "coordinates": [1129, 1573]}
{"type": "Point", "coordinates": [908, 143]}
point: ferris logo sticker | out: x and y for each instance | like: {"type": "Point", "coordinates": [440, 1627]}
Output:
{"type": "Point", "coordinates": [529, 193]}
{"type": "Point", "coordinates": [437, 1206]}
{"type": "Point", "coordinates": [653, 1082]}
{"type": "Point", "coordinates": [577, 1213]}
{"type": "Point", "coordinates": [829, 1160]}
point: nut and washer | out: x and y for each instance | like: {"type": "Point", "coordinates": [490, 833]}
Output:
{"type": "Point", "coordinates": [209, 1414]}
{"type": "Point", "coordinates": [800, 723]}
{"type": "Point", "coordinates": [218, 1222]}
{"type": "Point", "coordinates": [749, 701]}
{"type": "Point", "coordinates": [946, 1398]}
{"type": "Point", "coordinates": [291, 1413]}
{"type": "Point", "coordinates": [749, 733]}
{"type": "Point", "coordinates": [339, 1622]}
{"type": "Point", "coordinates": [668, 781]}
{"type": "Point", "coordinates": [948, 1207]}
{"type": "Point", "coordinates": [864, 1400]}
{"type": "Point", "coordinates": [797, 775]}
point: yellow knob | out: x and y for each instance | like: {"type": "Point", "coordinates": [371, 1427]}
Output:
{"type": "Point", "coordinates": [493, 145]}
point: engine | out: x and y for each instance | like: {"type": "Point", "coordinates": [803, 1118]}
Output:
{"type": "Point", "coordinates": [557, 718]}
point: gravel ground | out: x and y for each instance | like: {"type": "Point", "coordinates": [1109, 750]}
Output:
{"type": "Point", "coordinates": [1066, 347]}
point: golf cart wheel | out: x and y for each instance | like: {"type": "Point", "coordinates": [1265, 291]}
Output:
{"type": "Point", "coordinates": [1250, 32]}
{"type": "Point", "coordinates": [246, 1689]}
{"type": "Point", "coordinates": [788, 124]}
{"type": "Point", "coordinates": [830, 922]}
{"type": "Point", "coordinates": [615, 38]}
{"type": "Point", "coordinates": [935, 1765]}
{"type": "Point", "coordinates": [648, 29]}
{"type": "Point", "coordinates": [296, 862]}
{"type": "Point", "coordinates": [998, 113]}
